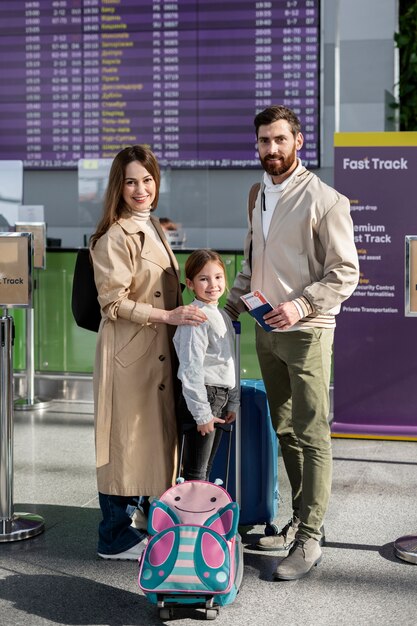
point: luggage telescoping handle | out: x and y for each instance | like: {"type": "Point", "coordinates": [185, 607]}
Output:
{"type": "Point", "coordinates": [229, 430]}
{"type": "Point", "coordinates": [181, 455]}
{"type": "Point", "coordinates": [238, 426]}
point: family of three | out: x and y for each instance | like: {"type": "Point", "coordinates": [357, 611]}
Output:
{"type": "Point", "coordinates": [160, 364]}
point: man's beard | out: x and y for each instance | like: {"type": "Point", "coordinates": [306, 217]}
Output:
{"type": "Point", "coordinates": [282, 167]}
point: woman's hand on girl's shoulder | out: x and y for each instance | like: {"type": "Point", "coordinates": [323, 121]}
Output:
{"type": "Point", "coordinates": [188, 314]}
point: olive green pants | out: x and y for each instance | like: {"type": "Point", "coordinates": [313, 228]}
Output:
{"type": "Point", "coordinates": [295, 367]}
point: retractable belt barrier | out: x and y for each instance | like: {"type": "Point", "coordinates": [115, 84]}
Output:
{"type": "Point", "coordinates": [15, 290]}
{"type": "Point", "coordinates": [13, 526]}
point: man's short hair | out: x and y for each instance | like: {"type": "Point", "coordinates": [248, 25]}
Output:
{"type": "Point", "coordinates": [275, 113]}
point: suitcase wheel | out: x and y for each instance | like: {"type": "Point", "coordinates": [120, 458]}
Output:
{"type": "Point", "coordinates": [271, 529]}
{"type": "Point", "coordinates": [166, 613]}
{"type": "Point", "coordinates": [212, 613]}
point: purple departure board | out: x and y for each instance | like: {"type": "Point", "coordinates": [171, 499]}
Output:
{"type": "Point", "coordinates": [84, 78]}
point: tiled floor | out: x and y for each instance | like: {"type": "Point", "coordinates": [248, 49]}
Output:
{"type": "Point", "coordinates": [56, 578]}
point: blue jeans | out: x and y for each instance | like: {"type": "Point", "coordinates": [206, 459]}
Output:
{"type": "Point", "coordinates": [115, 533]}
{"type": "Point", "coordinates": [199, 451]}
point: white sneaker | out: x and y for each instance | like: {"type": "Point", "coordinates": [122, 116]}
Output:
{"type": "Point", "coordinates": [132, 554]}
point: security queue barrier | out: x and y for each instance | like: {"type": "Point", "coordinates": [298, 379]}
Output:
{"type": "Point", "coordinates": [29, 401]}
{"type": "Point", "coordinates": [15, 290]}
{"type": "Point", "coordinates": [62, 349]}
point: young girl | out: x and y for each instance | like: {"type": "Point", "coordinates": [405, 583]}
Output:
{"type": "Point", "coordinates": [206, 366]}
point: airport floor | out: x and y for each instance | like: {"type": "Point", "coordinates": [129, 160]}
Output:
{"type": "Point", "coordinates": [56, 577]}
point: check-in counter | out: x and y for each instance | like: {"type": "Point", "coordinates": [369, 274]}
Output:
{"type": "Point", "coordinates": [61, 347]}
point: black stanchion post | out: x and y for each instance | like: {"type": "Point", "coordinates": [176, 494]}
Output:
{"type": "Point", "coordinates": [6, 452]}
{"type": "Point", "coordinates": [13, 526]}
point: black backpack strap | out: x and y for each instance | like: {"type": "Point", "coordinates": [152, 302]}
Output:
{"type": "Point", "coordinates": [253, 194]}
{"type": "Point", "coordinates": [84, 303]}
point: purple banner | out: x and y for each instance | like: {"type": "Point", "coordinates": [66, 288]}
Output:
{"type": "Point", "coordinates": [375, 353]}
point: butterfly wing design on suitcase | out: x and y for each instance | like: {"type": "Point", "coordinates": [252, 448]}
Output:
{"type": "Point", "coordinates": [190, 558]}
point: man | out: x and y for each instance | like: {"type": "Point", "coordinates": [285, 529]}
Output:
{"type": "Point", "coordinates": [300, 253]}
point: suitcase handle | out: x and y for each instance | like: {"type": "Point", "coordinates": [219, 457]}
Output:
{"type": "Point", "coordinates": [227, 428]}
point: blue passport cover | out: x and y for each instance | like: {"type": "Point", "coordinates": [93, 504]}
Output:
{"type": "Point", "coordinates": [258, 314]}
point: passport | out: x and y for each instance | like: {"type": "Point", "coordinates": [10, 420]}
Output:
{"type": "Point", "coordinates": [258, 306]}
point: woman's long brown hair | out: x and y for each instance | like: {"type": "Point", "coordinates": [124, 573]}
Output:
{"type": "Point", "coordinates": [114, 206]}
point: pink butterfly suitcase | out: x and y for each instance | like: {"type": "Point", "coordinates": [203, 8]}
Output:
{"type": "Point", "coordinates": [194, 557]}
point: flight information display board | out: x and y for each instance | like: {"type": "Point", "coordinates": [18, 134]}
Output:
{"type": "Point", "coordinates": [84, 78]}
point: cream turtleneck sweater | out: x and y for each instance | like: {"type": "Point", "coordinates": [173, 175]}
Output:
{"type": "Point", "coordinates": [143, 219]}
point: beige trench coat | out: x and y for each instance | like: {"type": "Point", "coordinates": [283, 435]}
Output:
{"type": "Point", "coordinates": [134, 377]}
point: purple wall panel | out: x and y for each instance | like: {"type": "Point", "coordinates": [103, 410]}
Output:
{"type": "Point", "coordinates": [375, 344]}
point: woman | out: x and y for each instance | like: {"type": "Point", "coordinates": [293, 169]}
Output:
{"type": "Point", "coordinates": [137, 279]}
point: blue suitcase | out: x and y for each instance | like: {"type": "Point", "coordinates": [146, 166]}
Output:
{"type": "Point", "coordinates": [258, 459]}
